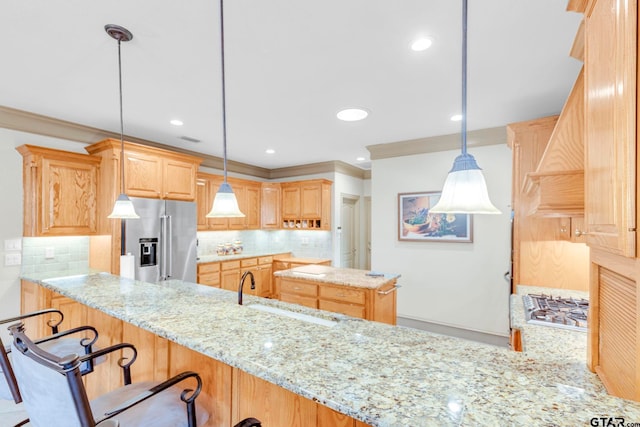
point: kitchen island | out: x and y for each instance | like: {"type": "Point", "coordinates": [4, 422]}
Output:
{"type": "Point", "coordinates": [378, 374]}
{"type": "Point", "coordinates": [358, 293]}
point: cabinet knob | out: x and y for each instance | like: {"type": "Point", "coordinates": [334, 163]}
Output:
{"type": "Point", "coordinates": [579, 233]}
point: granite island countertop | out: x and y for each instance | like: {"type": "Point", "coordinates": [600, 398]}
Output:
{"type": "Point", "coordinates": [338, 276]}
{"type": "Point", "coordinates": [381, 374]}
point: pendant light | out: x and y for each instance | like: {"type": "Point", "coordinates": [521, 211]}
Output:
{"type": "Point", "coordinates": [225, 204]}
{"type": "Point", "coordinates": [123, 208]}
{"type": "Point", "coordinates": [465, 190]}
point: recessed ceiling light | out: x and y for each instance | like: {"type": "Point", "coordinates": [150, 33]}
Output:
{"type": "Point", "coordinates": [360, 159]}
{"type": "Point", "coordinates": [352, 114]}
{"type": "Point", "coordinates": [423, 43]}
{"type": "Point", "coordinates": [270, 151]}
{"type": "Point", "coordinates": [176, 122]}
{"type": "Point", "coordinates": [456, 117]}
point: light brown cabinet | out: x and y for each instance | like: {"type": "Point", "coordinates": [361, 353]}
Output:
{"type": "Point", "coordinates": [610, 126]}
{"type": "Point", "coordinates": [150, 172]}
{"type": "Point", "coordinates": [306, 204]}
{"type": "Point", "coordinates": [540, 256]}
{"type": "Point", "coordinates": [248, 193]}
{"type": "Point", "coordinates": [270, 206]}
{"type": "Point", "coordinates": [611, 184]}
{"type": "Point", "coordinates": [371, 304]}
{"type": "Point", "coordinates": [227, 274]}
{"type": "Point", "coordinates": [60, 192]}
{"type": "Point", "coordinates": [209, 274]}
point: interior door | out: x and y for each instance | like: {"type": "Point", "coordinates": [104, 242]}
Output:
{"type": "Point", "coordinates": [348, 238]}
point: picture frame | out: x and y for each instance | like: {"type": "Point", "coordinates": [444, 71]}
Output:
{"type": "Point", "coordinates": [416, 224]}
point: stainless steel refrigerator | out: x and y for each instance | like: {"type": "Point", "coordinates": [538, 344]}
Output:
{"type": "Point", "coordinates": [164, 240]}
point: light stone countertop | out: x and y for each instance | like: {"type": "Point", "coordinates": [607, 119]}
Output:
{"type": "Point", "coordinates": [381, 374]}
{"type": "Point", "coordinates": [243, 255]}
{"type": "Point", "coordinates": [337, 276]}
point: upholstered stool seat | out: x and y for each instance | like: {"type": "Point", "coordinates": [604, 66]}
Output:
{"type": "Point", "coordinates": [54, 395]}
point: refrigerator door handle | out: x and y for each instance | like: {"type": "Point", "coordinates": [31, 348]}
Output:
{"type": "Point", "coordinates": [169, 257]}
{"type": "Point", "coordinates": [163, 244]}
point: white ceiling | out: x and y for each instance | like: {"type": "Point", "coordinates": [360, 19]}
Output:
{"type": "Point", "coordinates": [290, 66]}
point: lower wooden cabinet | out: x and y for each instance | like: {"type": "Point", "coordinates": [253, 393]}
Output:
{"type": "Point", "coordinates": [371, 304]}
{"type": "Point", "coordinates": [227, 275]}
{"type": "Point", "coordinates": [60, 192]}
{"type": "Point", "coordinates": [228, 394]}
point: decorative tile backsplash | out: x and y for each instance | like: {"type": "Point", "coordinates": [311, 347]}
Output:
{"type": "Point", "coordinates": [302, 243]}
{"type": "Point", "coordinates": [53, 254]}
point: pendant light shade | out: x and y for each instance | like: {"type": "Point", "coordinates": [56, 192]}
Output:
{"type": "Point", "coordinates": [123, 208]}
{"type": "Point", "coordinates": [465, 190]}
{"type": "Point", "coordinates": [225, 204]}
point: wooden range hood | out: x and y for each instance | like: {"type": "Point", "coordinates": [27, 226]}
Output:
{"type": "Point", "coordinates": [556, 187]}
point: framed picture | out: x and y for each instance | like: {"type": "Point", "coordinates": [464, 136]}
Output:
{"type": "Point", "coordinates": [416, 223]}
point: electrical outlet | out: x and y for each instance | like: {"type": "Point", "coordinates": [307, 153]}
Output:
{"type": "Point", "coordinates": [12, 259]}
{"type": "Point", "coordinates": [305, 241]}
{"type": "Point", "coordinates": [50, 252]}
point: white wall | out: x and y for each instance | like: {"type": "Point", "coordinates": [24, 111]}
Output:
{"type": "Point", "coordinates": [453, 284]}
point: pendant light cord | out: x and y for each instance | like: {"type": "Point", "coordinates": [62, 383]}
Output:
{"type": "Point", "coordinates": [464, 77]}
{"type": "Point", "coordinates": [224, 109]}
{"type": "Point", "coordinates": [121, 121]}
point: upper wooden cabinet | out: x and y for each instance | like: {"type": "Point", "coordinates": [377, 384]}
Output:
{"type": "Point", "coordinates": [306, 204]}
{"type": "Point", "coordinates": [270, 206]}
{"type": "Point", "coordinates": [610, 126]}
{"type": "Point", "coordinates": [151, 172]}
{"type": "Point", "coordinates": [248, 194]}
{"type": "Point", "coordinates": [60, 192]}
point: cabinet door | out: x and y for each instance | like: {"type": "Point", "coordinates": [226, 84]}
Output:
{"type": "Point", "coordinates": [266, 273]}
{"type": "Point", "coordinates": [311, 200]}
{"type": "Point", "coordinates": [384, 304]}
{"type": "Point", "coordinates": [203, 205]}
{"type": "Point", "coordinates": [143, 175]}
{"type": "Point", "coordinates": [270, 206]}
{"type": "Point", "coordinates": [290, 201]}
{"type": "Point", "coordinates": [610, 125]}
{"type": "Point", "coordinates": [252, 207]}
{"type": "Point", "coordinates": [230, 279]}
{"type": "Point", "coordinates": [75, 314]}
{"type": "Point", "coordinates": [178, 179]}
{"type": "Point", "coordinates": [68, 198]}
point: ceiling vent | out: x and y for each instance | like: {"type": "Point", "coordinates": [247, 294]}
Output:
{"type": "Point", "coordinates": [189, 139]}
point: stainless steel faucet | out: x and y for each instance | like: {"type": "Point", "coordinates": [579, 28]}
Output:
{"type": "Point", "coordinates": [253, 284]}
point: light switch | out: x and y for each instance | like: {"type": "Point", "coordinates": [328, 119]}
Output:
{"type": "Point", "coordinates": [12, 259]}
{"type": "Point", "coordinates": [13, 244]}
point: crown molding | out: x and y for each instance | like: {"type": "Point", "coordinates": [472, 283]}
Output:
{"type": "Point", "coordinates": [24, 121]}
{"type": "Point", "coordinates": [476, 138]}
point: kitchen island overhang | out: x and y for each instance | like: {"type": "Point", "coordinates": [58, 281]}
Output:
{"type": "Point", "coordinates": [380, 374]}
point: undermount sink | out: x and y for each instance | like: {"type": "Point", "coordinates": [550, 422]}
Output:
{"type": "Point", "coordinates": [293, 315]}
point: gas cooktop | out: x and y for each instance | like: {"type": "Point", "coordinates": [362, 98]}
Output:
{"type": "Point", "coordinates": [567, 313]}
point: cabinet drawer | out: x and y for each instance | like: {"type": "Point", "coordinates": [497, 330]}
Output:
{"type": "Point", "coordinates": [210, 279]}
{"type": "Point", "coordinates": [210, 267]}
{"type": "Point", "coordinates": [249, 262]}
{"type": "Point", "coordinates": [230, 265]}
{"type": "Point", "coordinates": [344, 294]}
{"type": "Point", "coordinates": [300, 300]}
{"type": "Point", "coordinates": [265, 260]}
{"type": "Point", "coordinates": [299, 288]}
{"type": "Point", "coordinates": [344, 308]}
